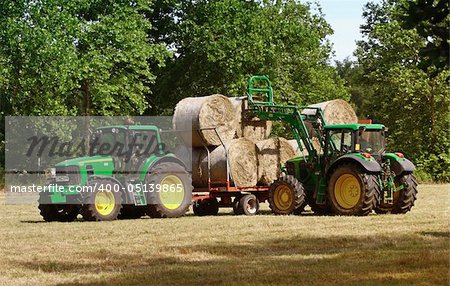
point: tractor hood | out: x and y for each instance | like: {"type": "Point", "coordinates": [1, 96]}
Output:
{"type": "Point", "coordinates": [87, 166]}
{"type": "Point", "coordinates": [83, 161]}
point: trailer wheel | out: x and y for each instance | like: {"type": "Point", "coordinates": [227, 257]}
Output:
{"type": "Point", "coordinates": [206, 207]}
{"type": "Point", "coordinates": [57, 212]}
{"type": "Point", "coordinates": [236, 209]}
{"type": "Point", "coordinates": [104, 202]}
{"type": "Point", "coordinates": [172, 190]}
{"type": "Point", "coordinates": [248, 205]}
{"type": "Point", "coordinates": [286, 195]}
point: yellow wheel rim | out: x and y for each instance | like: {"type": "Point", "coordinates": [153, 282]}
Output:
{"type": "Point", "coordinates": [105, 202]}
{"type": "Point", "coordinates": [347, 191]}
{"type": "Point", "coordinates": [283, 197]}
{"type": "Point", "coordinates": [171, 192]}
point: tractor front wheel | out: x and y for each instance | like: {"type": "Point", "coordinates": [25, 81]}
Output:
{"type": "Point", "coordinates": [102, 201]}
{"type": "Point", "coordinates": [351, 191]}
{"type": "Point", "coordinates": [286, 195]}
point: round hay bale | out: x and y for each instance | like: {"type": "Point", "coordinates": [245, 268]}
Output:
{"type": "Point", "coordinates": [272, 153]}
{"type": "Point", "coordinates": [192, 159]}
{"type": "Point", "coordinates": [196, 113]}
{"type": "Point", "coordinates": [248, 126]}
{"type": "Point", "coordinates": [242, 159]}
{"type": "Point", "coordinates": [335, 111]}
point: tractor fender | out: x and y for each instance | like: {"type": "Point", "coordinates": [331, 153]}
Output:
{"type": "Point", "coordinates": [127, 199]}
{"type": "Point", "coordinates": [371, 166]}
{"type": "Point", "coordinates": [168, 158]}
{"type": "Point", "coordinates": [403, 166]}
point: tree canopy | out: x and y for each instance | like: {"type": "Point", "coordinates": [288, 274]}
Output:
{"type": "Point", "coordinates": [83, 57]}
{"type": "Point", "coordinates": [411, 100]}
{"type": "Point", "coordinates": [219, 44]}
{"type": "Point", "coordinates": [131, 57]}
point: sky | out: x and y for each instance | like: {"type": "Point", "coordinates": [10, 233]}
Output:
{"type": "Point", "coordinates": [345, 17]}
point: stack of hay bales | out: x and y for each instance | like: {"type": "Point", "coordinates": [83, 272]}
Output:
{"type": "Point", "coordinates": [199, 114]}
{"type": "Point", "coordinates": [249, 126]}
{"type": "Point", "coordinates": [272, 153]}
{"type": "Point", "coordinates": [253, 158]}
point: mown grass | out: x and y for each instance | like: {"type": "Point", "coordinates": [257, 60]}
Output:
{"type": "Point", "coordinates": [411, 249]}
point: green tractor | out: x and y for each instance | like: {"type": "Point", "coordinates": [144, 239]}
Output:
{"type": "Point", "coordinates": [128, 174]}
{"type": "Point", "coordinates": [346, 170]}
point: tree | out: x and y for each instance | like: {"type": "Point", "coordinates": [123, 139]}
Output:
{"type": "Point", "coordinates": [356, 82]}
{"type": "Point", "coordinates": [430, 19]}
{"type": "Point", "coordinates": [412, 101]}
{"type": "Point", "coordinates": [219, 44]}
{"type": "Point", "coordinates": [84, 57]}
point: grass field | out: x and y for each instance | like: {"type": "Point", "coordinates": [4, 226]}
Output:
{"type": "Point", "coordinates": [412, 249]}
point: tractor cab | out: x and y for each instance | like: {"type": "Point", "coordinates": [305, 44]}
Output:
{"type": "Point", "coordinates": [368, 140]}
{"type": "Point", "coordinates": [129, 146]}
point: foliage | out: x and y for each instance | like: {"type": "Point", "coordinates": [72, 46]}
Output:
{"type": "Point", "coordinates": [413, 102]}
{"type": "Point", "coordinates": [83, 57]}
{"type": "Point", "coordinates": [219, 44]}
{"type": "Point", "coordinates": [360, 91]}
{"type": "Point", "coordinates": [430, 19]}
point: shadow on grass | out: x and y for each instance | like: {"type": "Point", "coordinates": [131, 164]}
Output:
{"type": "Point", "coordinates": [261, 213]}
{"type": "Point", "coordinates": [445, 234]}
{"type": "Point", "coordinates": [299, 260]}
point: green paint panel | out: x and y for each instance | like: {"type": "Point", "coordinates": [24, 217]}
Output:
{"type": "Point", "coordinates": [355, 127]}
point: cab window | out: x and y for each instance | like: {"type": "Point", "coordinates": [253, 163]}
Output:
{"type": "Point", "coordinates": [341, 141]}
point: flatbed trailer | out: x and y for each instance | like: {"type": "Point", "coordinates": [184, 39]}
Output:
{"type": "Point", "coordinates": [244, 200]}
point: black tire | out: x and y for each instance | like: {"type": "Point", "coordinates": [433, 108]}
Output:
{"type": "Point", "coordinates": [236, 209]}
{"type": "Point", "coordinates": [57, 212]}
{"type": "Point", "coordinates": [404, 199]}
{"type": "Point", "coordinates": [131, 212]}
{"type": "Point", "coordinates": [286, 195]}
{"type": "Point", "coordinates": [368, 187]}
{"type": "Point", "coordinates": [102, 187]}
{"type": "Point", "coordinates": [156, 207]}
{"type": "Point", "coordinates": [248, 205]}
{"type": "Point", "coordinates": [206, 207]}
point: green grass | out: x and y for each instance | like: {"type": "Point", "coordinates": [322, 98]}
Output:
{"type": "Point", "coordinates": [411, 249]}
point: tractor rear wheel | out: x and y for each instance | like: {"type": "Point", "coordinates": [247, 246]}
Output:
{"type": "Point", "coordinates": [103, 201]}
{"type": "Point", "coordinates": [403, 200]}
{"type": "Point", "coordinates": [56, 212]}
{"type": "Point", "coordinates": [351, 191]}
{"type": "Point", "coordinates": [206, 207]}
{"type": "Point", "coordinates": [172, 190]}
{"type": "Point", "coordinates": [286, 195]}
{"type": "Point", "coordinates": [248, 205]}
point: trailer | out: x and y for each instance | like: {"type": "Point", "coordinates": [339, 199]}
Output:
{"type": "Point", "coordinates": [244, 200]}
